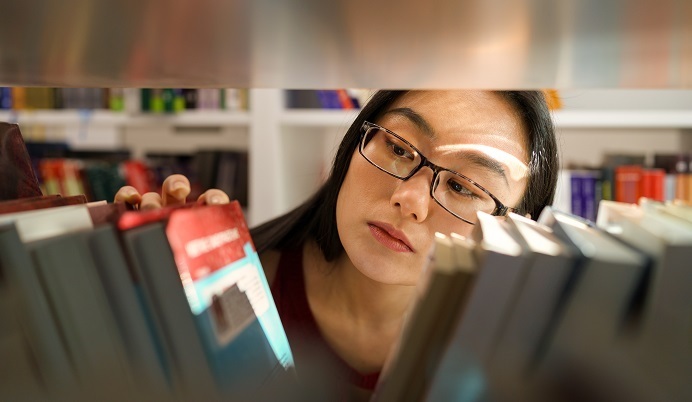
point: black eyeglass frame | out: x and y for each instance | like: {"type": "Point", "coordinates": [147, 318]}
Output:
{"type": "Point", "coordinates": [500, 208]}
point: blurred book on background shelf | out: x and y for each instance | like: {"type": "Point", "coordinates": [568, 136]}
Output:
{"type": "Point", "coordinates": [131, 100]}
{"type": "Point", "coordinates": [624, 178]}
{"type": "Point", "coordinates": [327, 99]}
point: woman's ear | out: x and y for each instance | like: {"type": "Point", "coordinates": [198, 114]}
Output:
{"type": "Point", "coordinates": [527, 216]}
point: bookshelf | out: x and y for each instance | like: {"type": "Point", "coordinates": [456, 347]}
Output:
{"type": "Point", "coordinates": [291, 149]}
{"type": "Point", "coordinates": [676, 119]}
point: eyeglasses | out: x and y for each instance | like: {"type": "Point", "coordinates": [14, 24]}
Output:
{"type": "Point", "coordinates": [456, 193]}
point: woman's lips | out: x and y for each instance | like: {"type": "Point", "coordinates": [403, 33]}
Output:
{"type": "Point", "coordinates": [390, 237]}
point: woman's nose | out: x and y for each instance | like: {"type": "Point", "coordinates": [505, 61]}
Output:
{"type": "Point", "coordinates": [412, 196]}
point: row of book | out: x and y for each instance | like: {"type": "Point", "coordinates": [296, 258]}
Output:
{"type": "Point", "coordinates": [100, 174]}
{"type": "Point", "coordinates": [133, 100]}
{"type": "Point", "coordinates": [625, 179]}
{"type": "Point", "coordinates": [327, 99]}
{"type": "Point", "coordinates": [102, 303]}
{"type": "Point", "coordinates": [562, 309]}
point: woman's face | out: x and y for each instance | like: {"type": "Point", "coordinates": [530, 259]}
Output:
{"type": "Point", "coordinates": [387, 225]}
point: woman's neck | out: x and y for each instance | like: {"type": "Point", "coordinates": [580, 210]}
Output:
{"type": "Point", "coordinates": [344, 291]}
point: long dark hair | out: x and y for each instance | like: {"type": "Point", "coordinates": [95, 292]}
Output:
{"type": "Point", "coordinates": [316, 217]}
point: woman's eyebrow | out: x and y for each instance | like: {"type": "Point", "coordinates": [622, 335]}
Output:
{"type": "Point", "coordinates": [484, 162]}
{"type": "Point", "coordinates": [415, 118]}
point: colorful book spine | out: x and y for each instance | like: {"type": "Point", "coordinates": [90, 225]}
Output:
{"type": "Point", "coordinates": [5, 98]}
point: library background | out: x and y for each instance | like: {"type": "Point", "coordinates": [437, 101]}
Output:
{"type": "Point", "coordinates": [598, 309]}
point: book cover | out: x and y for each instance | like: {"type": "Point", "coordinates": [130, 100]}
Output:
{"type": "Point", "coordinates": [44, 223]}
{"type": "Point", "coordinates": [188, 265]}
{"type": "Point", "coordinates": [17, 177]}
{"type": "Point", "coordinates": [213, 250]}
{"type": "Point", "coordinates": [87, 325]}
{"type": "Point", "coordinates": [147, 357]}
{"type": "Point", "coordinates": [35, 315]}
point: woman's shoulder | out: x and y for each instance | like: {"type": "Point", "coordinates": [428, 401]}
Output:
{"type": "Point", "coordinates": [270, 263]}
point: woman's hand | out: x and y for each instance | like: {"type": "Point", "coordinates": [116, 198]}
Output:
{"type": "Point", "coordinates": [174, 191]}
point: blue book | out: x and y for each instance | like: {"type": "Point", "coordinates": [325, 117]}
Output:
{"type": "Point", "coordinates": [5, 98]}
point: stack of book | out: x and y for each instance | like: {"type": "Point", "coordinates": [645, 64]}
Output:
{"type": "Point", "coordinates": [555, 310]}
{"type": "Point", "coordinates": [102, 303]}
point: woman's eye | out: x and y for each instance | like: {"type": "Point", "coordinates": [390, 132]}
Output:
{"type": "Point", "coordinates": [460, 189]}
{"type": "Point", "coordinates": [399, 151]}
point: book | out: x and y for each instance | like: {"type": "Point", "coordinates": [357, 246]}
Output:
{"type": "Point", "coordinates": [409, 373]}
{"type": "Point", "coordinates": [188, 267]}
{"type": "Point", "coordinates": [147, 360]}
{"type": "Point", "coordinates": [34, 321]}
{"type": "Point", "coordinates": [536, 306]}
{"type": "Point", "coordinates": [501, 263]}
{"type": "Point", "coordinates": [49, 222]}
{"type": "Point", "coordinates": [661, 339]}
{"type": "Point", "coordinates": [87, 325]}
{"type": "Point", "coordinates": [18, 179]}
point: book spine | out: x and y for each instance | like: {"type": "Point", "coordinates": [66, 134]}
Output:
{"type": "Point", "coordinates": [577, 187]}
{"type": "Point", "coordinates": [588, 194]}
{"type": "Point", "coordinates": [627, 179]}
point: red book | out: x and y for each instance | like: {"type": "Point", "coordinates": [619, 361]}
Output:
{"type": "Point", "coordinates": [17, 178]}
{"type": "Point", "coordinates": [137, 175]}
{"type": "Point", "coordinates": [652, 184]}
{"type": "Point", "coordinates": [627, 179]}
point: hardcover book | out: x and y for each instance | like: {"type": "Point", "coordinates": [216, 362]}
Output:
{"type": "Point", "coordinates": [201, 276]}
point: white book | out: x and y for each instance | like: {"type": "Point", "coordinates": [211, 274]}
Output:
{"type": "Point", "coordinates": [563, 192]}
{"type": "Point", "coordinates": [44, 223]}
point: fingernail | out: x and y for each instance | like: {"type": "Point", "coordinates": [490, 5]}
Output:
{"type": "Point", "coordinates": [179, 185]}
{"type": "Point", "coordinates": [215, 200]}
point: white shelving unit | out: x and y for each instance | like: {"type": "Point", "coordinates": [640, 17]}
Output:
{"type": "Point", "coordinates": [291, 149]}
{"type": "Point", "coordinates": [678, 119]}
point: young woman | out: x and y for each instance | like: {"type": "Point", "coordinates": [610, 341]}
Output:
{"type": "Point", "coordinates": [343, 265]}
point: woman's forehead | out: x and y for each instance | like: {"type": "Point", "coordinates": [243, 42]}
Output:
{"type": "Point", "coordinates": [467, 117]}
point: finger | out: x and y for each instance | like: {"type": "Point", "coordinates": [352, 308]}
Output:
{"type": "Point", "coordinates": [129, 195]}
{"type": "Point", "coordinates": [175, 189]}
{"type": "Point", "coordinates": [151, 201]}
{"type": "Point", "coordinates": [213, 197]}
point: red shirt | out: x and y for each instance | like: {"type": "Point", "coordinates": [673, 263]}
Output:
{"type": "Point", "coordinates": [311, 352]}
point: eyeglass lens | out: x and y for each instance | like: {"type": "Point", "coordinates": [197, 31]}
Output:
{"type": "Point", "coordinates": [453, 192]}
